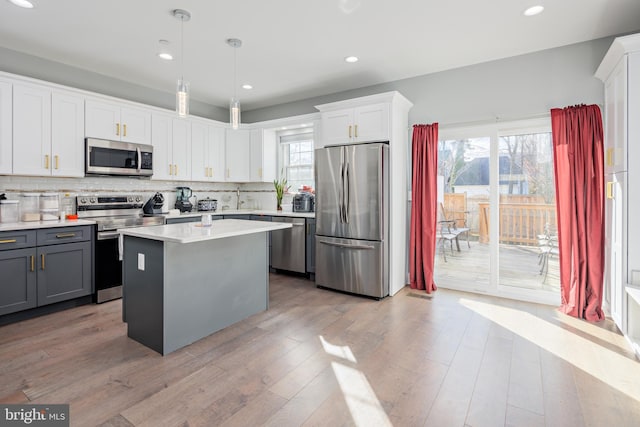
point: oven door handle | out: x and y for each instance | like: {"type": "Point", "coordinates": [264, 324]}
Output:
{"type": "Point", "coordinates": [107, 235]}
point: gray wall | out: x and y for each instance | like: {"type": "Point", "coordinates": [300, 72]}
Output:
{"type": "Point", "coordinates": [15, 62]}
{"type": "Point", "coordinates": [511, 88]}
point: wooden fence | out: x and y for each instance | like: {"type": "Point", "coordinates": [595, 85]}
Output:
{"type": "Point", "coordinates": [522, 217]}
{"type": "Point", "coordinates": [520, 223]}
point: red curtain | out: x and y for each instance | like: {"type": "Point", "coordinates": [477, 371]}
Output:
{"type": "Point", "coordinates": [424, 207]}
{"type": "Point", "coordinates": [579, 172]}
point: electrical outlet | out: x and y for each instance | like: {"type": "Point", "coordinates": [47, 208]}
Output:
{"type": "Point", "coordinates": [141, 262]}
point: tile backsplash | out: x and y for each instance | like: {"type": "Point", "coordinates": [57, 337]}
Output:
{"type": "Point", "coordinates": [252, 195]}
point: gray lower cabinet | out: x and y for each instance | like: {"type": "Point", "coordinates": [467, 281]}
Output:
{"type": "Point", "coordinates": [189, 219]}
{"type": "Point", "coordinates": [238, 216]}
{"type": "Point", "coordinates": [18, 280]}
{"type": "Point", "coordinates": [64, 272]}
{"type": "Point", "coordinates": [311, 245]}
{"type": "Point", "coordinates": [40, 267]}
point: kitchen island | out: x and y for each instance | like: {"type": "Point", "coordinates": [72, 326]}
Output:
{"type": "Point", "coordinates": [183, 282]}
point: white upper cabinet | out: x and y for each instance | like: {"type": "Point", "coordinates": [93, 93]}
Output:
{"type": "Point", "coordinates": [207, 152]}
{"type": "Point", "coordinates": [48, 132]}
{"type": "Point", "coordinates": [67, 134]}
{"type": "Point", "coordinates": [171, 147]}
{"type": "Point", "coordinates": [237, 152]}
{"type": "Point", "coordinates": [6, 128]}
{"type": "Point", "coordinates": [360, 124]}
{"type": "Point", "coordinates": [118, 122]}
{"type": "Point", "coordinates": [615, 124]}
{"type": "Point", "coordinates": [31, 130]}
{"type": "Point", "coordinates": [262, 156]}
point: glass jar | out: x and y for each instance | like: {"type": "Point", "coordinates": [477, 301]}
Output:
{"type": "Point", "coordinates": [9, 211]}
{"type": "Point", "coordinates": [30, 207]}
{"type": "Point", "coordinates": [67, 206]}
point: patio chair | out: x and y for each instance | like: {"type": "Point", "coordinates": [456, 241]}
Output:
{"type": "Point", "coordinates": [548, 244]}
{"type": "Point", "coordinates": [457, 224]}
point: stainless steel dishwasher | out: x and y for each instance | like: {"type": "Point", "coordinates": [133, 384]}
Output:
{"type": "Point", "coordinates": [288, 246]}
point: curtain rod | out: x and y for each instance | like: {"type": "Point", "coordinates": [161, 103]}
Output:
{"type": "Point", "coordinates": [499, 119]}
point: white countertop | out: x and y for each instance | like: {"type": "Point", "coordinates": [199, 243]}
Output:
{"type": "Point", "coordinates": [247, 212]}
{"type": "Point", "coordinates": [34, 225]}
{"type": "Point", "coordinates": [194, 232]}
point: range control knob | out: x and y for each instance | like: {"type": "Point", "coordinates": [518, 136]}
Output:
{"type": "Point", "coordinates": [138, 199]}
{"type": "Point", "coordinates": [83, 200]}
{"type": "Point", "coordinates": [130, 199]}
{"type": "Point", "coordinates": [92, 200]}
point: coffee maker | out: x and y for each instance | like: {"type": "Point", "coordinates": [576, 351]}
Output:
{"type": "Point", "coordinates": [182, 199]}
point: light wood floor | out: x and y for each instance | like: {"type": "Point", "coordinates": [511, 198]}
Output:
{"type": "Point", "coordinates": [318, 357]}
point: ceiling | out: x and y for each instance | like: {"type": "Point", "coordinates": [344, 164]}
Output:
{"type": "Point", "coordinates": [295, 49]}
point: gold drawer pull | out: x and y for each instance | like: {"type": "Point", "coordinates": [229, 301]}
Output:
{"type": "Point", "coordinates": [65, 235]}
{"type": "Point", "coordinates": [8, 241]}
{"type": "Point", "coordinates": [42, 260]}
{"type": "Point", "coordinates": [610, 190]}
{"type": "Point", "coordinates": [33, 263]}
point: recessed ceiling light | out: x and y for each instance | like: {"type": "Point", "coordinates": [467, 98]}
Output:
{"type": "Point", "coordinates": [351, 59]}
{"type": "Point", "coordinates": [533, 10]}
{"type": "Point", "coordinates": [166, 56]}
{"type": "Point", "coordinates": [22, 3]}
{"type": "Point", "coordinates": [247, 86]}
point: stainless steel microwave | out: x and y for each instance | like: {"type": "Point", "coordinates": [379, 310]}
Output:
{"type": "Point", "coordinates": [104, 157]}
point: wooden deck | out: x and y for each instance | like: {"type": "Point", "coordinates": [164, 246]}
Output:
{"type": "Point", "coordinates": [519, 266]}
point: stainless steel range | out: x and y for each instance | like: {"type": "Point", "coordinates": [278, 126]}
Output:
{"type": "Point", "coordinates": [111, 212]}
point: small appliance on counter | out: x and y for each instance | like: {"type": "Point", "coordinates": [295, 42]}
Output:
{"type": "Point", "coordinates": [154, 205]}
{"type": "Point", "coordinates": [182, 199]}
{"type": "Point", "coordinates": [207, 205]}
{"type": "Point", "coordinates": [303, 202]}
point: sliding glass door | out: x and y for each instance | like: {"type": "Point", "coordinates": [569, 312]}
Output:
{"type": "Point", "coordinates": [496, 200]}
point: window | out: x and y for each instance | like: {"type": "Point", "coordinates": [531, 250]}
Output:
{"type": "Point", "coordinates": [296, 148]}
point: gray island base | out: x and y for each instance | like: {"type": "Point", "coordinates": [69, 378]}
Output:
{"type": "Point", "coordinates": [183, 282]}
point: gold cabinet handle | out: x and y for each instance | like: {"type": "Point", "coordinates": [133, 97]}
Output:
{"type": "Point", "coordinates": [46, 161]}
{"type": "Point", "coordinates": [118, 129]}
{"type": "Point", "coordinates": [42, 261]}
{"type": "Point", "coordinates": [124, 129]}
{"type": "Point", "coordinates": [349, 131]}
{"type": "Point", "coordinates": [170, 173]}
{"type": "Point", "coordinates": [610, 190]}
{"type": "Point", "coordinates": [57, 160]}
{"type": "Point", "coordinates": [65, 235]}
{"type": "Point", "coordinates": [308, 229]}
{"type": "Point", "coordinates": [211, 172]}
{"type": "Point", "coordinates": [8, 241]}
{"type": "Point", "coordinates": [609, 157]}
{"type": "Point", "coordinates": [175, 169]}
{"type": "Point", "coordinates": [228, 173]}
{"type": "Point", "coordinates": [33, 263]}
{"type": "Point", "coordinates": [356, 128]}
{"type": "Point", "coordinates": [260, 172]}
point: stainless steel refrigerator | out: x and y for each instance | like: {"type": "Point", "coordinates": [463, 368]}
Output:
{"type": "Point", "coordinates": [352, 218]}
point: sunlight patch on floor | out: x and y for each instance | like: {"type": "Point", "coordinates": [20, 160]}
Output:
{"type": "Point", "coordinates": [616, 370]}
{"type": "Point", "coordinates": [341, 351]}
{"type": "Point", "coordinates": [363, 404]}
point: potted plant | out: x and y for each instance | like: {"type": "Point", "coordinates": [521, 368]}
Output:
{"type": "Point", "coordinates": [281, 188]}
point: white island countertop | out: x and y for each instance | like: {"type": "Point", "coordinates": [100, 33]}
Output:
{"type": "Point", "coordinates": [245, 212]}
{"type": "Point", "coordinates": [194, 232]}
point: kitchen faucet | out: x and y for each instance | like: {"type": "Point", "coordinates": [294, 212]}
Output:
{"type": "Point", "coordinates": [238, 199]}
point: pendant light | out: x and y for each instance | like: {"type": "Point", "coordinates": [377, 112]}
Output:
{"type": "Point", "coordinates": [182, 89]}
{"type": "Point", "coordinates": [234, 105]}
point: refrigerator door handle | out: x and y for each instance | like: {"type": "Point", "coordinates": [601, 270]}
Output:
{"type": "Point", "coordinates": [347, 195]}
{"type": "Point", "coordinates": [344, 245]}
{"type": "Point", "coordinates": [341, 205]}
